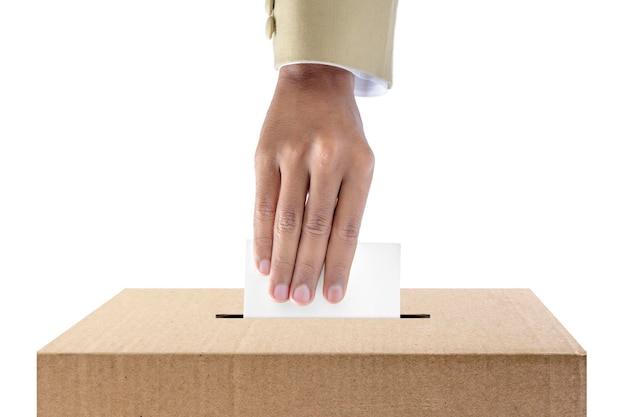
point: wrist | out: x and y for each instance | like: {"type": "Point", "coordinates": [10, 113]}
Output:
{"type": "Point", "coordinates": [318, 77]}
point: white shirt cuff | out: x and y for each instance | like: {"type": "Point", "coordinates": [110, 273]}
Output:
{"type": "Point", "coordinates": [365, 85]}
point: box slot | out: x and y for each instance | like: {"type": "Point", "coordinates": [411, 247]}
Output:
{"type": "Point", "coordinates": [402, 316]}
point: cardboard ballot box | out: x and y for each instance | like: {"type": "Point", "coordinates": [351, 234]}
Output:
{"type": "Point", "coordinates": [188, 352]}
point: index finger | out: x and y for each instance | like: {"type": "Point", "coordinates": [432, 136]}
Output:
{"type": "Point", "coordinates": [266, 199]}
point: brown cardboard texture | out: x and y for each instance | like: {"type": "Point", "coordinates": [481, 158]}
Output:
{"type": "Point", "coordinates": [167, 352]}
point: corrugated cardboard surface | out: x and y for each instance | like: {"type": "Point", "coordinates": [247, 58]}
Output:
{"type": "Point", "coordinates": [163, 353]}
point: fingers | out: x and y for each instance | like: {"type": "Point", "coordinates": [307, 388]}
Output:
{"type": "Point", "coordinates": [294, 238]}
{"type": "Point", "coordinates": [316, 228]}
{"type": "Point", "coordinates": [266, 198]}
{"type": "Point", "coordinates": [330, 228]}
{"type": "Point", "coordinates": [279, 206]}
{"type": "Point", "coordinates": [345, 231]}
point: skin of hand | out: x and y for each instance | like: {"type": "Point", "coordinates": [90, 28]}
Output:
{"type": "Point", "coordinates": [313, 170]}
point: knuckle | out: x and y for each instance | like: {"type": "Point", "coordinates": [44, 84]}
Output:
{"type": "Point", "coordinates": [317, 225]}
{"type": "Point", "coordinates": [326, 154]}
{"type": "Point", "coordinates": [263, 158]}
{"type": "Point", "coordinates": [365, 161]}
{"type": "Point", "coordinates": [281, 271]}
{"type": "Point", "coordinates": [265, 211]}
{"type": "Point", "coordinates": [291, 154]}
{"type": "Point", "coordinates": [263, 243]}
{"type": "Point", "coordinates": [306, 271]}
{"type": "Point", "coordinates": [348, 231]}
{"type": "Point", "coordinates": [339, 272]}
{"type": "Point", "coordinates": [287, 221]}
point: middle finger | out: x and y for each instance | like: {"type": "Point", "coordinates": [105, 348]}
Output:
{"type": "Point", "coordinates": [287, 227]}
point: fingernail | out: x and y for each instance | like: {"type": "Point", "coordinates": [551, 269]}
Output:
{"type": "Point", "coordinates": [264, 266]}
{"type": "Point", "coordinates": [281, 292]}
{"type": "Point", "coordinates": [334, 294]}
{"type": "Point", "coordinates": [302, 295]}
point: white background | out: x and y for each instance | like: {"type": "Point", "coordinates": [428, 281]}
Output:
{"type": "Point", "coordinates": [127, 132]}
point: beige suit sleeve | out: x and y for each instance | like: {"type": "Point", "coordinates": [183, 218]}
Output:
{"type": "Point", "coordinates": [355, 34]}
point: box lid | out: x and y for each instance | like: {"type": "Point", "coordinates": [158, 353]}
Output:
{"type": "Point", "coordinates": [462, 321]}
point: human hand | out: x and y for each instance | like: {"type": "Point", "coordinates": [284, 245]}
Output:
{"type": "Point", "coordinates": [314, 169]}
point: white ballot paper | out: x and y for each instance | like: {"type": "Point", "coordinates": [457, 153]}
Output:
{"type": "Point", "coordinates": [373, 289]}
